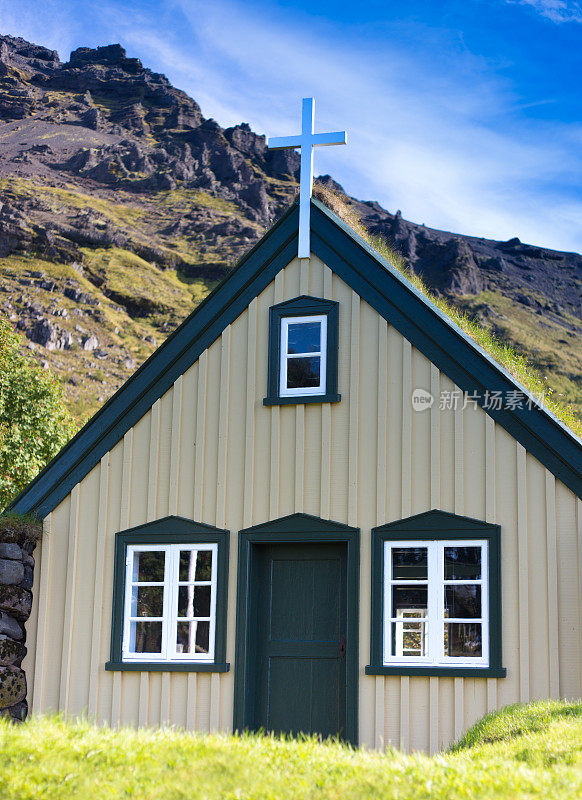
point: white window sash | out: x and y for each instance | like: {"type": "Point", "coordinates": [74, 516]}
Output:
{"type": "Point", "coordinates": [435, 616]}
{"type": "Point", "coordinates": [301, 391]}
{"type": "Point", "coordinates": [170, 604]}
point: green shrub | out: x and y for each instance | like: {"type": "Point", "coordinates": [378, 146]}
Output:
{"type": "Point", "coordinates": [34, 423]}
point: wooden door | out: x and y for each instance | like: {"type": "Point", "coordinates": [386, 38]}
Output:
{"type": "Point", "coordinates": [299, 604]}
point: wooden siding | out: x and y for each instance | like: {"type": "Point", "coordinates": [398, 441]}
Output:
{"type": "Point", "coordinates": [210, 451]}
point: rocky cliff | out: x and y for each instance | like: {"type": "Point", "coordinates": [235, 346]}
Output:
{"type": "Point", "coordinates": [121, 206]}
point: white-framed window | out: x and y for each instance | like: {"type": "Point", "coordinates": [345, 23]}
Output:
{"type": "Point", "coordinates": [170, 602]}
{"type": "Point", "coordinates": [303, 355]}
{"type": "Point", "coordinates": [436, 603]}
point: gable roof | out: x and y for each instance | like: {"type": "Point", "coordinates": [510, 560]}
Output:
{"type": "Point", "coordinates": [379, 284]}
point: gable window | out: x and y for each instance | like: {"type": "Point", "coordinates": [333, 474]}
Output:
{"type": "Point", "coordinates": [303, 335]}
{"type": "Point", "coordinates": [303, 355]}
{"type": "Point", "coordinates": [169, 607]}
{"type": "Point", "coordinates": [436, 597]}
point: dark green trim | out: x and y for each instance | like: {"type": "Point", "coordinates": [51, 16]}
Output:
{"type": "Point", "coordinates": [170, 530]}
{"type": "Point", "coordinates": [435, 525]}
{"type": "Point", "coordinates": [287, 401]}
{"type": "Point", "coordinates": [174, 356]}
{"type": "Point", "coordinates": [443, 343]}
{"type": "Point", "coordinates": [297, 528]}
{"type": "Point", "coordinates": [378, 283]}
{"type": "Point", "coordinates": [442, 672]}
{"type": "Point", "coordinates": [164, 666]}
{"type": "Point", "coordinates": [302, 306]}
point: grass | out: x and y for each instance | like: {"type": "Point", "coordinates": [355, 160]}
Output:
{"type": "Point", "coordinates": [537, 754]}
{"type": "Point", "coordinates": [503, 352]}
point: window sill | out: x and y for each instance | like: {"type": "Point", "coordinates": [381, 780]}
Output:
{"type": "Point", "coordinates": [165, 666]}
{"type": "Point", "coordinates": [444, 672]}
{"type": "Point", "coordinates": [308, 398]}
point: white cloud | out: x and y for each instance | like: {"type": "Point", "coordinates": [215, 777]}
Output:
{"type": "Point", "coordinates": [554, 10]}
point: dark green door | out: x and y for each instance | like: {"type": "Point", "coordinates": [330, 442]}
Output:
{"type": "Point", "coordinates": [299, 613]}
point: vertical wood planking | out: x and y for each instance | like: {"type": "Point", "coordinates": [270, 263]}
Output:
{"type": "Point", "coordinates": [97, 620]}
{"type": "Point", "coordinates": [459, 463]}
{"type": "Point", "coordinates": [406, 452]}
{"type": "Point", "coordinates": [249, 476]}
{"type": "Point", "coordinates": [299, 455]}
{"type": "Point", "coordinates": [70, 599]}
{"type": "Point", "coordinates": [304, 276]}
{"type": "Point", "coordinates": [381, 476]}
{"type": "Point", "coordinates": [433, 713]}
{"type": "Point", "coordinates": [552, 567]}
{"type": "Point", "coordinates": [435, 443]}
{"type": "Point", "coordinates": [200, 435]}
{"type": "Point", "coordinates": [326, 422]}
{"type": "Point", "coordinates": [214, 701]}
{"type": "Point", "coordinates": [153, 462]}
{"type": "Point", "coordinates": [379, 714]}
{"type": "Point", "coordinates": [41, 636]}
{"type": "Point", "coordinates": [523, 589]}
{"type": "Point", "coordinates": [490, 515]}
{"type": "Point", "coordinates": [223, 429]}
{"type": "Point", "coordinates": [165, 699]}
{"type": "Point", "coordinates": [275, 413]}
{"type": "Point", "coordinates": [459, 708]}
{"type": "Point", "coordinates": [175, 461]}
{"type": "Point", "coordinates": [191, 701]}
{"type": "Point", "coordinates": [143, 700]}
{"type": "Point", "coordinates": [353, 413]}
{"type": "Point", "coordinates": [405, 713]}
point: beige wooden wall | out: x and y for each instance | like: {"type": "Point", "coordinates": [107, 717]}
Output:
{"type": "Point", "coordinates": [209, 450]}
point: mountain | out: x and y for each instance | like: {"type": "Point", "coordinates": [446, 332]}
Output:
{"type": "Point", "coordinates": [121, 206]}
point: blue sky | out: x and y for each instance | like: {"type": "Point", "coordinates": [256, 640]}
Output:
{"type": "Point", "coordinates": [464, 114]}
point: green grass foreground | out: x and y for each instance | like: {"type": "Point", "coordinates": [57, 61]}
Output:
{"type": "Point", "coordinates": [523, 752]}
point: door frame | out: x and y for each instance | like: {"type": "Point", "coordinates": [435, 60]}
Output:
{"type": "Point", "coordinates": [296, 529]}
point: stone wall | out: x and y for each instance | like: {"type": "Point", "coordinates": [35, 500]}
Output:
{"type": "Point", "coordinates": [16, 574]}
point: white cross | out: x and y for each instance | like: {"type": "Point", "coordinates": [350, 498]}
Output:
{"type": "Point", "coordinates": [306, 141]}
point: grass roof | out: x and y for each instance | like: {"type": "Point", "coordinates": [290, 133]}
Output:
{"type": "Point", "coordinates": [517, 365]}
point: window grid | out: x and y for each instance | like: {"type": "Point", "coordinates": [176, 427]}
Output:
{"type": "Point", "coordinates": [433, 635]}
{"type": "Point", "coordinates": [170, 619]}
{"type": "Point", "coordinates": [301, 391]}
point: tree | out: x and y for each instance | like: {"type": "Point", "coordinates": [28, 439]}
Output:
{"type": "Point", "coordinates": [34, 422]}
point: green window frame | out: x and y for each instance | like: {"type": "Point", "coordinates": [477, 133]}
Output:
{"type": "Point", "coordinates": [162, 534]}
{"type": "Point", "coordinates": [440, 527]}
{"type": "Point", "coordinates": [301, 308]}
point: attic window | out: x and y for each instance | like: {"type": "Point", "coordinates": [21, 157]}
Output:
{"type": "Point", "coordinates": [303, 355]}
{"type": "Point", "coordinates": [303, 335]}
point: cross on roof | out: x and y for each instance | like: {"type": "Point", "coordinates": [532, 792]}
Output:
{"type": "Point", "coordinates": [306, 141]}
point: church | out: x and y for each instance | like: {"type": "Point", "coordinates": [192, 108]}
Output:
{"type": "Point", "coordinates": [304, 514]}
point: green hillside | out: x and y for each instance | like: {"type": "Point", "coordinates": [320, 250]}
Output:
{"type": "Point", "coordinates": [523, 752]}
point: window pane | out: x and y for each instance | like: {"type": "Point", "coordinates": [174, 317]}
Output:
{"type": "Point", "coordinates": [148, 566]}
{"type": "Point", "coordinates": [463, 601]}
{"type": "Point", "coordinates": [195, 565]}
{"type": "Point", "coordinates": [463, 639]}
{"type": "Point", "coordinates": [462, 563]}
{"type": "Point", "coordinates": [409, 638]}
{"type": "Point", "coordinates": [194, 601]}
{"type": "Point", "coordinates": [303, 372]}
{"type": "Point", "coordinates": [408, 598]}
{"type": "Point", "coordinates": [409, 563]}
{"type": "Point", "coordinates": [193, 637]}
{"type": "Point", "coordinates": [147, 601]}
{"type": "Point", "coordinates": [304, 337]}
{"type": "Point", "coordinates": [145, 637]}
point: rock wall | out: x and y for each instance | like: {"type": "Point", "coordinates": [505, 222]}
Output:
{"type": "Point", "coordinates": [16, 575]}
